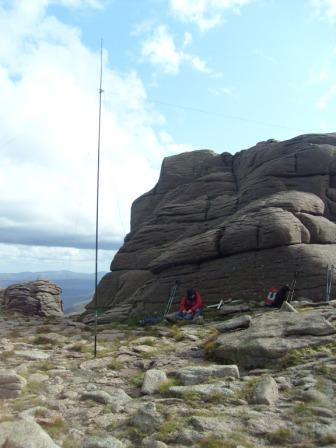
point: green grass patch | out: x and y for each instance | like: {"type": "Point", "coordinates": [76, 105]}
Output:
{"type": "Point", "coordinates": [210, 344]}
{"type": "Point", "coordinates": [170, 425]}
{"type": "Point", "coordinates": [164, 387]}
{"type": "Point", "coordinates": [148, 342]}
{"type": "Point", "coordinates": [137, 379]}
{"type": "Point", "coordinates": [14, 333]}
{"type": "Point", "coordinates": [79, 347]}
{"type": "Point", "coordinates": [152, 331]}
{"type": "Point", "coordinates": [71, 442]}
{"type": "Point", "coordinates": [43, 365]}
{"type": "Point", "coordinates": [231, 440]}
{"type": "Point", "coordinates": [302, 410]}
{"type": "Point", "coordinates": [329, 438]}
{"type": "Point", "coordinates": [176, 333]}
{"type": "Point", "coordinates": [134, 435]}
{"type": "Point", "coordinates": [218, 398]}
{"type": "Point", "coordinates": [56, 427]}
{"type": "Point", "coordinates": [246, 392]}
{"type": "Point", "coordinates": [191, 398]}
{"type": "Point", "coordinates": [34, 387]}
{"type": "Point", "coordinates": [43, 340]}
{"type": "Point", "coordinates": [307, 354]}
{"type": "Point", "coordinates": [215, 442]}
{"type": "Point", "coordinates": [42, 329]}
{"type": "Point", "coordinates": [115, 365]}
{"type": "Point", "coordinates": [6, 354]}
{"type": "Point", "coordinates": [282, 437]}
{"type": "Point", "coordinates": [26, 402]}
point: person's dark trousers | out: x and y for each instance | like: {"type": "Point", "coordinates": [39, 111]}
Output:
{"type": "Point", "coordinates": [189, 316]}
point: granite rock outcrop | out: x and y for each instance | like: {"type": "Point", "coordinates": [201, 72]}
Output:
{"type": "Point", "coordinates": [36, 298]}
{"type": "Point", "coordinates": [231, 226]}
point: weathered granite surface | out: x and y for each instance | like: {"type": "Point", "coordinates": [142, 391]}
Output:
{"type": "Point", "coordinates": [39, 297]}
{"type": "Point", "coordinates": [272, 336]}
{"type": "Point", "coordinates": [231, 225]}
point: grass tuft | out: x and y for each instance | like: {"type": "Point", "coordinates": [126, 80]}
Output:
{"type": "Point", "coordinates": [56, 427]}
{"type": "Point", "coordinates": [169, 426]}
{"type": "Point", "coordinates": [165, 386]}
{"type": "Point", "coordinates": [282, 436]}
{"type": "Point", "coordinates": [115, 365]}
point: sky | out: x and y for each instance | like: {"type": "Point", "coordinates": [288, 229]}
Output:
{"type": "Point", "coordinates": [178, 75]}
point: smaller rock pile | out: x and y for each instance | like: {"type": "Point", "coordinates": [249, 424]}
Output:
{"type": "Point", "coordinates": [11, 384]}
{"type": "Point", "coordinates": [40, 297]}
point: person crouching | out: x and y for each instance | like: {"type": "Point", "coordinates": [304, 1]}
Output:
{"type": "Point", "coordinates": [191, 306]}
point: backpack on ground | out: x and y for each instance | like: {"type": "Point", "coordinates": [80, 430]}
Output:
{"type": "Point", "coordinates": [271, 296]}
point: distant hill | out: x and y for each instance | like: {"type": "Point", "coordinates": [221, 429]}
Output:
{"type": "Point", "coordinates": [77, 287]}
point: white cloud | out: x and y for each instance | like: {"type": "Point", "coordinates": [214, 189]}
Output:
{"type": "Point", "coordinates": [206, 14]}
{"type": "Point", "coordinates": [317, 77]}
{"type": "Point", "coordinates": [160, 50]}
{"type": "Point", "coordinates": [187, 39]}
{"type": "Point", "coordinates": [48, 129]}
{"type": "Point", "coordinates": [197, 63]}
{"type": "Point", "coordinates": [327, 98]}
{"type": "Point", "coordinates": [39, 258]}
{"type": "Point", "coordinates": [325, 8]}
{"type": "Point", "coordinates": [219, 91]}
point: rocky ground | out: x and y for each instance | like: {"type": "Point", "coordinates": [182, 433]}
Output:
{"type": "Point", "coordinates": [159, 386]}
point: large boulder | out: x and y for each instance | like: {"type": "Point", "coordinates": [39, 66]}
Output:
{"type": "Point", "coordinates": [272, 336]}
{"type": "Point", "coordinates": [231, 226]}
{"type": "Point", "coordinates": [24, 434]}
{"type": "Point", "coordinates": [36, 298]}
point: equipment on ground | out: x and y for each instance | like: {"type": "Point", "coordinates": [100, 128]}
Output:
{"type": "Point", "coordinates": [155, 319]}
{"type": "Point", "coordinates": [331, 271]}
{"type": "Point", "coordinates": [218, 305]}
{"type": "Point", "coordinates": [223, 302]}
{"type": "Point", "coordinates": [272, 292]}
{"type": "Point", "coordinates": [290, 295]}
{"type": "Point", "coordinates": [171, 298]}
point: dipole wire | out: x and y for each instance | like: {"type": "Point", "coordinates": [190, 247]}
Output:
{"type": "Point", "coordinates": [97, 199]}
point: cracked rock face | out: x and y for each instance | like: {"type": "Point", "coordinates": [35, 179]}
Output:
{"type": "Point", "coordinates": [231, 225]}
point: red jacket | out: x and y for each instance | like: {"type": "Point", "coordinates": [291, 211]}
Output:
{"type": "Point", "coordinates": [191, 305]}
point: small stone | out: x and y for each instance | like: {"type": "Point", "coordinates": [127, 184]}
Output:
{"type": "Point", "coordinates": [32, 355]}
{"type": "Point", "coordinates": [102, 442]}
{"type": "Point", "coordinates": [323, 412]}
{"type": "Point", "coordinates": [233, 324]}
{"type": "Point", "coordinates": [287, 307]}
{"type": "Point", "coordinates": [315, 395]}
{"type": "Point", "coordinates": [38, 377]}
{"type": "Point", "coordinates": [265, 391]}
{"type": "Point", "coordinates": [119, 399]}
{"type": "Point", "coordinates": [147, 419]}
{"type": "Point", "coordinates": [143, 349]}
{"type": "Point", "coordinates": [105, 420]}
{"type": "Point", "coordinates": [153, 379]}
{"type": "Point", "coordinates": [151, 442]}
{"type": "Point", "coordinates": [99, 396]}
{"type": "Point", "coordinates": [146, 340]}
{"type": "Point", "coordinates": [96, 363]}
{"type": "Point", "coordinates": [196, 374]}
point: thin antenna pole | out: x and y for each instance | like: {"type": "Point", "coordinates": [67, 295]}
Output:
{"type": "Point", "coordinates": [97, 199]}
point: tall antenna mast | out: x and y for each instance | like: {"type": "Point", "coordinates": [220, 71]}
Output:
{"type": "Point", "coordinates": [97, 199]}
